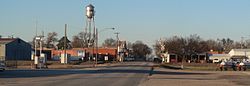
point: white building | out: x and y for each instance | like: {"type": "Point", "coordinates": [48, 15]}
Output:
{"type": "Point", "coordinates": [219, 57]}
{"type": "Point", "coordinates": [240, 53]}
{"type": "Point", "coordinates": [234, 53]}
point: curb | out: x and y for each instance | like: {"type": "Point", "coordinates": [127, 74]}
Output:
{"type": "Point", "coordinates": [171, 67]}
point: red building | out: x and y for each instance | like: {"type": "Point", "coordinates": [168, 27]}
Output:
{"type": "Point", "coordinates": [87, 52]}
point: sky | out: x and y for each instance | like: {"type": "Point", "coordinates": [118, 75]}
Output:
{"type": "Point", "coordinates": [144, 20]}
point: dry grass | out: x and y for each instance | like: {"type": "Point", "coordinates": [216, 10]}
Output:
{"type": "Point", "coordinates": [28, 63]}
{"type": "Point", "coordinates": [193, 66]}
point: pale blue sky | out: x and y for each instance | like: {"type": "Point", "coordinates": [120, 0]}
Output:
{"type": "Point", "coordinates": [145, 20]}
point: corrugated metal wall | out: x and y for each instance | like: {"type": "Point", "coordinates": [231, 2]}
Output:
{"type": "Point", "coordinates": [18, 50]}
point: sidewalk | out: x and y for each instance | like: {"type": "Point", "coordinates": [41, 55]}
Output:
{"type": "Point", "coordinates": [247, 72]}
{"type": "Point", "coordinates": [167, 77]}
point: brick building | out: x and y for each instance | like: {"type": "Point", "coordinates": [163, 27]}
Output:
{"type": "Point", "coordinates": [85, 53]}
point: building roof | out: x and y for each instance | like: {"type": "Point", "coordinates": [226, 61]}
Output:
{"type": "Point", "coordinates": [216, 52]}
{"type": "Point", "coordinates": [6, 40]}
{"type": "Point", "coordinates": [220, 56]}
{"type": "Point", "coordinates": [241, 50]}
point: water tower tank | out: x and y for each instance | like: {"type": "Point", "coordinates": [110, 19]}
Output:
{"type": "Point", "coordinates": [90, 12]}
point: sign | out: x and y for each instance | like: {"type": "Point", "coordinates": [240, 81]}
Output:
{"type": "Point", "coordinates": [81, 53]}
{"type": "Point", "coordinates": [36, 60]}
{"type": "Point", "coordinates": [106, 58]}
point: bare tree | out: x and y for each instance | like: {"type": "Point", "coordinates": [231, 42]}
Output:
{"type": "Point", "coordinates": [51, 40]}
{"type": "Point", "coordinates": [237, 45]}
{"type": "Point", "coordinates": [140, 50]}
{"type": "Point", "coordinates": [109, 43]}
{"type": "Point", "coordinates": [76, 42]}
{"type": "Point", "coordinates": [80, 40]}
{"type": "Point", "coordinates": [226, 44]}
{"type": "Point", "coordinates": [129, 45]}
{"type": "Point", "coordinates": [212, 45]}
{"type": "Point", "coordinates": [194, 44]}
{"type": "Point", "coordinates": [61, 42]}
{"type": "Point", "coordinates": [173, 44]}
{"type": "Point", "coordinates": [188, 46]}
{"type": "Point", "coordinates": [157, 48]}
{"type": "Point", "coordinates": [248, 43]}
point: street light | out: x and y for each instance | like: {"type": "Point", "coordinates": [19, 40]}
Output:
{"type": "Point", "coordinates": [105, 29]}
{"type": "Point", "coordinates": [97, 32]}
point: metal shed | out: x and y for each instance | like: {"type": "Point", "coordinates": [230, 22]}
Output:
{"type": "Point", "coordinates": [14, 49]}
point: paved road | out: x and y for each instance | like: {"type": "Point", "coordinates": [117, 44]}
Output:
{"type": "Point", "coordinates": [124, 74]}
{"type": "Point", "coordinates": [167, 77]}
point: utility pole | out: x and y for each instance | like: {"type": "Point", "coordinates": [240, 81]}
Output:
{"type": "Point", "coordinates": [65, 40]}
{"type": "Point", "coordinates": [96, 45]}
{"type": "Point", "coordinates": [117, 44]}
{"type": "Point", "coordinates": [96, 42]}
{"type": "Point", "coordinates": [35, 58]}
{"type": "Point", "coordinates": [93, 47]}
{"type": "Point", "coordinates": [35, 38]}
{"type": "Point", "coordinates": [242, 42]}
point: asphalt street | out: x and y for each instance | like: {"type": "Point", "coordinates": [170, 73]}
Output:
{"type": "Point", "coordinates": [124, 74]}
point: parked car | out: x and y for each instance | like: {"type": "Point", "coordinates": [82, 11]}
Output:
{"type": "Point", "coordinates": [235, 65]}
{"type": "Point", "coordinates": [2, 66]}
{"type": "Point", "coordinates": [129, 59]}
{"type": "Point", "coordinates": [216, 60]}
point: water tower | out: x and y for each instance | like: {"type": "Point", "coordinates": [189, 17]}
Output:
{"type": "Point", "coordinates": [90, 29]}
{"type": "Point", "coordinates": [90, 14]}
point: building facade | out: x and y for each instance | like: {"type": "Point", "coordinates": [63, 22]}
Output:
{"type": "Point", "coordinates": [14, 49]}
{"type": "Point", "coordinates": [233, 54]}
{"type": "Point", "coordinates": [85, 53]}
{"type": "Point", "coordinates": [240, 53]}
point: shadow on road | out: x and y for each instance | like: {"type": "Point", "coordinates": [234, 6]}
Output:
{"type": "Point", "coordinates": [41, 73]}
{"type": "Point", "coordinates": [58, 72]}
